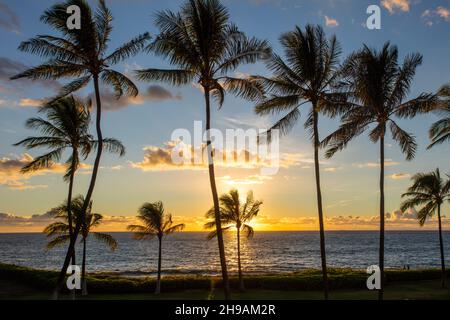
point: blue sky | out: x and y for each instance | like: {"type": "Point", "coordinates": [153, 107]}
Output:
{"type": "Point", "coordinates": [349, 179]}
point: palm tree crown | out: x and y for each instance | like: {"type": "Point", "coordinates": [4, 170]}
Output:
{"type": "Point", "coordinates": [156, 223]}
{"type": "Point", "coordinates": [59, 230]}
{"type": "Point", "coordinates": [206, 47]}
{"type": "Point", "coordinates": [308, 74]}
{"type": "Point", "coordinates": [81, 53]}
{"type": "Point", "coordinates": [376, 87]}
{"type": "Point", "coordinates": [65, 126]}
{"type": "Point", "coordinates": [428, 191]}
{"type": "Point", "coordinates": [235, 214]}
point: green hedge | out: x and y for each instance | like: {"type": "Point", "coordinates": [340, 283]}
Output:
{"type": "Point", "coordinates": [304, 280]}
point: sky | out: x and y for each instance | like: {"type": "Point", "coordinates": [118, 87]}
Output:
{"type": "Point", "coordinates": [145, 124]}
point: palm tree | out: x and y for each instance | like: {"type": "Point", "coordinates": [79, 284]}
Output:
{"type": "Point", "coordinates": [65, 126]}
{"type": "Point", "coordinates": [307, 75]}
{"type": "Point", "coordinates": [58, 231]}
{"type": "Point", "coordinates": [156, 223]}
{"type": "Point", "coordinates": [376, 87]}
{"type": "Point", "coordinates": [234, 214]}
{"type": "Point", "coordinates": [81, 54]}
{"type": "Point", "coordinates": [440, 130]}
{"type": "Point", "coordinates": [204, 46]}
{"type": "Point", "coordinates": [430, 191]}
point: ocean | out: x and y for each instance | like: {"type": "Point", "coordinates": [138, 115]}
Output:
{"type": "Point", "coordinates": [267, 252]}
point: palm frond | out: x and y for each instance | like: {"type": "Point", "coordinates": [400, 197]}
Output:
{"type": "Point", "coordinates": [120, 83]}
{"type": "Point", "coordinates": [407, 142]}
{"type": "Point", "coordinates": [107, 239]}
{"type": "Point", "coordinates": [173, 77]}
{"type": "Point", "coordinates": [128, 49]}
{"type": "Point", "coordinates": [58, 241]}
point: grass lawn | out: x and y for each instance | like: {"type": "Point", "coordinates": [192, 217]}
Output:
{"type": "Point", "coordinates": [413, 290]}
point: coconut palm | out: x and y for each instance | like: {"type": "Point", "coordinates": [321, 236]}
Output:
{"type": "Point", "coordinates": [205, 47]}
{"type": "Point", "coordinates": [234, 214]}
{"type": "Point", "coordinates": [64, 127]}
{"type": "Point", "coordinates": [429, 191]}
{"type": "Point", "coordinates": [307, 75]}
{"type": "Point", "coordinates": [59, 231]}
{"type": "Point", "coordinates": [156, 223]}
{"type": "Point", "coordinates": [376, 87]}
{"type": "Point", "coordinates": [440, 130]}
{"type": "Point", "coordinates": [82, 54]}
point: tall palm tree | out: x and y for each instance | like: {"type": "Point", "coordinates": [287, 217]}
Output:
{"type": "Point", "coordinates": [65, 126]}
{"type": "Point", "coordinates": [234, 214]}
{"type": "Point", "coordinates": [205, 47]}
{"type": "Point", "coordinates": [440, 130]}
{"type": "Point", "coordinates": [376, 87]}
{"type": "Point", "coordinates": [307, 75]}
{"type": "Point", "coordinates": [430, 191]}
{"type": "Point", "coordinates": [82, 54]}
{"type": "Point", "coordinates": [156, 223]}
{"type": "Point", "coordinates": [58, 231]}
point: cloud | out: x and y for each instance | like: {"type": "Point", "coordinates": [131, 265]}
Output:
{"type": "Point", "coordinates": [248, 180]}
{"type": "Point", "coordinates": [27, 102]}
{"type": "Point", "coordinates": [22, 103]}
{"type": "Point", "coordinates": [431, 17]}
{"type": "Point", "coordinates": [332, 169]}
{"type": "Point", "coordinates": [153, 93]}
{"type": "Point", "coordinates": [37, 222]}
{"type": "Point", "coordinates": [8, 19]}
{"type": "Point", "coordinates": [12, 178]}
{"type": "Point", "coordinates": [399, 176]}
{"type": "Point", "coordinates": [9, 68]}
{"type": "Point", "coordinates": [171, 157]}
{"type": "Point", "coordinates": [330, 22]}
{"type": "Point", "coordinates": [397, 220]}
{"type": "Point", "coordinates": [387, 163]}
{"type": "Point", "coordinates": [396, 5]}
{"type": "Point", "coordinates": [443, 12]}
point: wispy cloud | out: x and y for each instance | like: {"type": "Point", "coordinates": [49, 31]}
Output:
{"type": "Point", "coordinates": [27, 102]}
{"type": "Point", "coordinates": [399, 176]}
{"type": "Point", "coordinates": [8, 19]}
{"type": "Point", "coordinates": [387, 163]}
{"type": "Point", "coordinates": [248, 180]}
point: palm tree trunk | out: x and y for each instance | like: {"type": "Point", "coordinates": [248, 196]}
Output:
{"type": "Point", "coordinates": [83, 270]}
{"type": "Point", "coordinates": [319, 202]}
{"type": "Point", "coordinates": [62, 274]}
{"type": "Point", "coordinates": [441, 244]}
{"type": "Point", "coordinates": [158, 280]}
{"type": "Point", "coordinates": [241, 279]}
{"type": "Point", "coordinates": [381, 252]}
{"type": "Point", "coordinates": [69, 201]}
{"type": "Point", "coordinates": [69, 210]}
{"type": "Point", "coordinates": [212, 180]}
